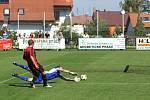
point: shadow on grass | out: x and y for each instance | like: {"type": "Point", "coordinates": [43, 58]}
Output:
{"type": "Point", "coordinates": [138, 69]}
{"type": "Point", "coordinates": [101, 70]}
{"type": "Point", "coordinates": [20, 84]}
{"type": "Point", "coordinates": [143, 72]}
{"type": "Point", "coordinates": [25, 84]}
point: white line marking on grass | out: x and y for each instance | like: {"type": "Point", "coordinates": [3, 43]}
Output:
{"type": "Point", "coordinates": [118, 83]}
{"type": "Point", "coordinates": [11, 78]}
{"type": "Point", "coordinates": [20, 74]}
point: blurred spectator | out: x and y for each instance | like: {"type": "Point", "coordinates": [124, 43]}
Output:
{"type": "Point", "coordinates": [47, 35]}
{"type": "Point", "coordinates": [60, 35]}
{"type": "Point", "coordinates": [19, 35]}
{"type": "Point", "coordinates": [85, 35]}
{"type": "Point", "coordinates": [15, 35]}
{"type": "Point", "coordinates": [55, 34]}
{"type": "Point", "coordinates": [40, 34]}
{"type": "Point", "coordinates": [5, 34]}
{"type": "Point", "coordinates": [24, 35]}
{"type": "Point", "coordinates": [32, 35]}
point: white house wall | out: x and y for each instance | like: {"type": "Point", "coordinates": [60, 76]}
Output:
{"type": "Point", "coordinates": [53, 30]}
{"type": "Point", "coordinates": [26, 27]}
{"type": "Point", "coordinates": [62, 19]}
{"type": "Point", "coordinates": [78, 29]}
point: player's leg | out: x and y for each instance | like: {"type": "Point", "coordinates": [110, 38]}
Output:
{"type": "Point", "coordinates": [24, 78]}
{"type": "Point", "coordinates": [22, 66]}
{"type": "Point", "coordinates": [38, 79]}
{"type": "Point", "coordinates": [33, 82]}
{"type": "Point", "coordinates": [45, 84]}
{"type": "Point", "coordinates": [35, 74]}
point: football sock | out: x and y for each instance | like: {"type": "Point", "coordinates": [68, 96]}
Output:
{"type": "Point", "coordinates": [22, 66]}
{"type": "Point", "coordinates": [23, 77]}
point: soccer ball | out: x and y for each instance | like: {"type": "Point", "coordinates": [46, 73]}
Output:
{"type": "Point", "coordinates": [83, 77]}
{"type": "Point", "coordinates": [77, 79]}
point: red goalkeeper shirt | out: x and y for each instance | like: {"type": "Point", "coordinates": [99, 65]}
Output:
{"type": "Point", "coordinates": [32, 63]}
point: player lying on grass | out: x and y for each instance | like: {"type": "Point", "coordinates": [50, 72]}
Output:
{"type": "Point", "coordinates": [51, 74]}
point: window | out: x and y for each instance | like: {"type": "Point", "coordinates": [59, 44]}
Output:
{"type": "Point", "coordinates": [21, 11]}
{"type": "Point", "coordinates": [6, 11]}
{"type": "Point", "coordinates": [146, 19]}
{"type": "Point", "coordinates": [4, 1]}
{"type": "Point", "coordinates": [57, 15]}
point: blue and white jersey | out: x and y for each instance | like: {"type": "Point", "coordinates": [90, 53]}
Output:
{"type": "Point", "coordinates": [53, 73]}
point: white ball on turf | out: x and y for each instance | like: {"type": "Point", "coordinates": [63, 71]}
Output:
{"type": "Point", "coordinates": [83, 77]}
{"type": "Point", "coordinates": [77, 79]}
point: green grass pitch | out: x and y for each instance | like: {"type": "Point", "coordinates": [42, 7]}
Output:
{"type": "Point", "coordinates": [106, 80]}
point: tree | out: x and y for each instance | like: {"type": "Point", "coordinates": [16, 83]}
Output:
{"type": "Point", "coordinates": [131, 4]}
{"type": "Point", "coordinates": [139, 30]}
{"type": "Point", "coordinates": [91, 28]}
{"type": "Point", "coordinates": [145, 7]}
{"type": "Point", "coordinates": [65, 29]}
{"type": "Point", "coordinates": [118, 30]}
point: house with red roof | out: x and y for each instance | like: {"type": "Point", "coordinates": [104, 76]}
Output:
{"type": "Point", "coordinates": [79, 22]}
{"type": "Point", "coordinates": [132, 21]}
{"type": "Point", "coordinates": [33, 15]}
{"type": "Point", "coordinates": [112, 18]}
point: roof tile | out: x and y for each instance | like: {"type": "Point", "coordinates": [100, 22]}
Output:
{"type": "Point", "coordinates": [82, 19]}
{"type": "Point", "coordinates": [111, 17]}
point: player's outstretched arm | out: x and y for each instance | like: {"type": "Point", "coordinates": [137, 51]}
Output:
{"type": "Point", "coordinates": [75, 79]}
{"type": "Point", "coordinates": [67, 79]}
{"type": "Point", "coordinates": [67, 71]}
